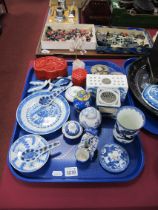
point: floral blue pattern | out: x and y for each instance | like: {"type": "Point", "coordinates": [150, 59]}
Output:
{"type": "Point", "coordinates": [150, 96]}
{"type": "Point", "coordinates": [114, 158]}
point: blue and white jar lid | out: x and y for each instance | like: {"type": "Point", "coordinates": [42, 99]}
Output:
{"type": "Point", "coordinates": [72, 129]}
{"type": "Point", "coordinates": [114, 158]}
{"type": "Point", "coordinates": [71, 92]}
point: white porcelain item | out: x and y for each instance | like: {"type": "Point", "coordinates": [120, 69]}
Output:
{"type": "Point", "coordinates": [129, 121]}
{"type": "Point", "coordinates": [78, 64]}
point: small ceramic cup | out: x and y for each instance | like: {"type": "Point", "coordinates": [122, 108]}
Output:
{"type": "Point", "coordinates": [129, 121]}
{"type": "Point", "coordinates": [82, 155]}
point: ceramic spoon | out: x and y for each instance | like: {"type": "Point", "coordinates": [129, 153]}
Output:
{"type": "Point", "coordinates": [30, 155]}
{"type": "Point", "coordinates": [48, 100]}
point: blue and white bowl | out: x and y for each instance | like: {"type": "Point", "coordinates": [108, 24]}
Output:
{"type": "Point", "coordinates": [150, 96]}
{"type": "Point", "coordinates": [114, 158]}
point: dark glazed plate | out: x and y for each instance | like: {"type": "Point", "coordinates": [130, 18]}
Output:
{"type": "Point", "coordinates": [138, 80]}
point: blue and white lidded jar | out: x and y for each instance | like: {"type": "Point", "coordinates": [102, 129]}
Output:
{"type": "Point", "coordinates": [90, 118]}
{"type": "Point", "coordinates": [72, 129]}
{"type": "Point", "coordinates": [82, 100]}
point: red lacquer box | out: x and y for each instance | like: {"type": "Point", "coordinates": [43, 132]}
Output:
{"type": "Point", "coordinates": [50, 67]}
{"type": "Point", "coordinates": [79, 77]}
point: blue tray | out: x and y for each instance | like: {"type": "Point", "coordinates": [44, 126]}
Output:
{"type": "Point", "coordinates": [151, 121]}
{"type": "Point", "coordinates": [87, 172]}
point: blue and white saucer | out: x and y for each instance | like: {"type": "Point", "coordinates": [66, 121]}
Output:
{"type": "Point", "coordinates": [150, 96]}
{"type": "Point", "coordinates": [114, 158]}
{"type": "Point", "coordinates": [40, 119]}
{"type": "Point", "coordinates": [21, 145]}
{"type": "Point", "coordinates": [72, 129]}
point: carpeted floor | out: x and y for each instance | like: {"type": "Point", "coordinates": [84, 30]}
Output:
{"type": "Point", "coordinates": [22, 27]}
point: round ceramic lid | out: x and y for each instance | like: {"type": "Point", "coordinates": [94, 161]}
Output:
{"type": "Point", "coordinates": [71, 92]}
{"type": "Point", "coordinates": [114, 158]}
{"type": "Point", "coordinates": [72, 129]}
{"type": "Point", "coordinates": [22, 144]}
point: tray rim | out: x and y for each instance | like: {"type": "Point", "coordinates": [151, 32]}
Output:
{"type": "Point", "coordinates": [74, 180]}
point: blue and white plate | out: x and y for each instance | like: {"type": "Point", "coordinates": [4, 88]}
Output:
{"type": "Point", "coordinates": [21, 145]}
{"type": "Point", "coordinates": [150, 96]}
{"type": "Point", "coordinates": [114, 158]}
{"type": "Point", "coordinates": [40, 119]}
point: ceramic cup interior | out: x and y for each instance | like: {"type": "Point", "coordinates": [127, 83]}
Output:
{"type": "Point", "coordinates": [130, 118]}
{"type": "Point", "coordinates": [82, 155]}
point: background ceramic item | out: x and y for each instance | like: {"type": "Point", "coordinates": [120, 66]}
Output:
{"type": "Point", "coordinates": [114, 158]}
{"type": "Point", "coordinates": [82, 100]}
{"type": "Point", "coordinates": [21, 145]}
{"type": "Point", "coordinates": [90, 117]}
{"type": "Point", "coordinates": [150, 96]}
{"type": "Point", "coordinates": [82, 155]}
{"type": "Point", "coordinates": [128, 123]}
{"type": "Point", "coordinates": [71, 92]}
{"type": "Point", "coordinates": [72, 129]}
{"type": "Point", "coordinates": [100, 69]}
{"type": "Point", "coordinates": [39, 119]}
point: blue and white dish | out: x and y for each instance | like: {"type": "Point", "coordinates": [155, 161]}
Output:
{"type": "Point", "coordinates": [90, 117]}
{"type": "Point", "coordinates": [150, 96]}
{"type": "Point", "coordinates": [36, 118]}
{"type": "Point", "coordinates": [72, 129]}
{"type": "Point", "coordinates": [21, 145]}
{"type": "Point", "coordinates": [90, 143]}
{"type": "Point", "coordinates": [114, 158]}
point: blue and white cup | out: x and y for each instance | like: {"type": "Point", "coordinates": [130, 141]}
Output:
{"type": "Point", "coordinates": [129, 121]}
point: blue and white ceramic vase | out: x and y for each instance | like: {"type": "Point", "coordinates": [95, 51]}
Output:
{"type": "Point", "coordinates": [129, 121]}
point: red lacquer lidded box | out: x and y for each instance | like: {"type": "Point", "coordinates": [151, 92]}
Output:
{"type": "Point", "coordinates": [50, 67]}
{"type": "Point", "coordinates": [79, 77]}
